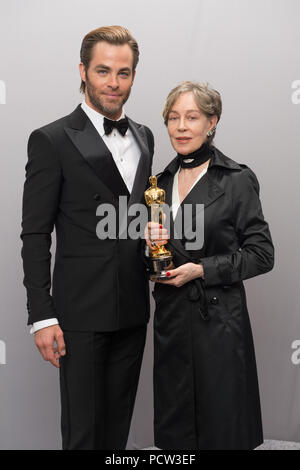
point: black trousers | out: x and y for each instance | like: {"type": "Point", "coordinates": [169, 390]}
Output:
{"type": "Point", "coordinates": [98, 382]}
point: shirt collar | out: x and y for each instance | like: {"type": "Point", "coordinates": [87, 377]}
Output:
{"type": "Point", "coordinates": [96, 117]}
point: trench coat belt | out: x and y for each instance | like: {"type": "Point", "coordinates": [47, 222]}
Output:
{"type": "Point", "coordinates": [197, 293]}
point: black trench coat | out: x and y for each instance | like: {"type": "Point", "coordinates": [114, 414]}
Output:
{"type": "Point", "coordinates": [206, 392]}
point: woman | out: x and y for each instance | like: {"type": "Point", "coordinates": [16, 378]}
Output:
{"type": "Point", "coordinates": [205, 379]}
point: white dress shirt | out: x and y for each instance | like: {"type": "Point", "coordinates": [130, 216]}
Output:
{"type": "Point", "coordinates": [125, 150]}
{"type": "Point", "coordinates": [126, 154]}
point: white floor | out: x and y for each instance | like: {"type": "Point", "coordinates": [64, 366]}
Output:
{"type": "Point", "coordinates": [267, 445]}
{"type": "Point", "coordinates": [279, 445]}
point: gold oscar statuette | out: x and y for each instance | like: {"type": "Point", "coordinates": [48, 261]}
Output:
{"type": "Point", "coordinates": [160, 257]}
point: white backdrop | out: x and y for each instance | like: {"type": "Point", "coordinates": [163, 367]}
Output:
{"type": "Point", "coordinates": [246, 49]}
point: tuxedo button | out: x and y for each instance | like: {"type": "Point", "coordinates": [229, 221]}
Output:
{"type": "Point", "coordinates": [214, 300]}
{"type": "Point", "coordinates": [97, 197]}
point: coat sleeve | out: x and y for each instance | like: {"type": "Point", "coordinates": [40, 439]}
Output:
{"type": "Point", "coordinates": [255, 254]}
{"type": "Point", "coordinates": [40, 205]}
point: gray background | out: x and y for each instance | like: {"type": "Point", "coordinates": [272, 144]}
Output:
{"type": "Point", "coordinates": [249, 51]}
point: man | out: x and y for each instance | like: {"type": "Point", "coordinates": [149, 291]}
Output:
{"type": "Point", "coordinates": [93, 326]}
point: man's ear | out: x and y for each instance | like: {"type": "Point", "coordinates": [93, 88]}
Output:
{"type": "Point", "coordinates": [82, 72]}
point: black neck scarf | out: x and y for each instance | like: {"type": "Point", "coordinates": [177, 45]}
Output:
{"type": "Point", "coordinates": [197, 157]}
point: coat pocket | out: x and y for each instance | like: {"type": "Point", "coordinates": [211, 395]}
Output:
{"type": "Point", "coordinates": [230, 302]}
{"type": "Point", "coordinates": [219, 303]}
{"type": "Point", "coordinates": [162, 293]}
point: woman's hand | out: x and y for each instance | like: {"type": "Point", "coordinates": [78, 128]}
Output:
{"type": "Point", "coordinates": [183, 274]}
{"type": "Point", "coordinates": [155, 234]}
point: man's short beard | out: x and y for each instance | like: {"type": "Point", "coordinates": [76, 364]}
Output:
{"type": "Point", "coordinates": [97, 102]}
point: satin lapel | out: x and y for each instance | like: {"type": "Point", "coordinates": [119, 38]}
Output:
{"type": "Point", "coordinates": [141, 176]}
{"type": "Point", "coordinates": [143, 169]}
{"type": "Point", "coordinates": [205, 192]}
{"type": "Point", "coordinates": [98, 157]}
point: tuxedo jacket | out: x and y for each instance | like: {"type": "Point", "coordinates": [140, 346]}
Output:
{"type": "Point", "coordinates": [97, 285]}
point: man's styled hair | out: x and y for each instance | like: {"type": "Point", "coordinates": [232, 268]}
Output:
{"type": "Point", "coordinates": [116, 35]}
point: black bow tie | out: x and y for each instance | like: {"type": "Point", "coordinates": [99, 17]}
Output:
{"type": "Point", "coordinates": [121, 125]}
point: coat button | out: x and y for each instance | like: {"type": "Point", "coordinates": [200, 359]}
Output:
{"type": "Point", "coordinates": [214, 300]}
{"type": "Point", "coordinates": [97, 197]}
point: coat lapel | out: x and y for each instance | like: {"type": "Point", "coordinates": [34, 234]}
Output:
{"type": "Point", "coordinates": [167, 184]}
{"type": "Point", "coordinates": [144, 165]}
{"type": "Point", "coordinates": [205, 192]}
{"type": "Point", "coordinates": [141, 176]}
{"type": "Point", "coordinates": [93, 149]}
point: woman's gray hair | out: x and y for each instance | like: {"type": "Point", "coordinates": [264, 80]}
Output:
{"type": "Point", "coordinates": [207, 99]}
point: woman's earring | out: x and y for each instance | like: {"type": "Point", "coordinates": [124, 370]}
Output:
{"type": "Point", "coordinates": [210, 133]}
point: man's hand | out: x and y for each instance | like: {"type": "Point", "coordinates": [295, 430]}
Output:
{"type": "Point", "coordinates": [45, 341]}
{"type": "Point", "coordinates": [183, 274]}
